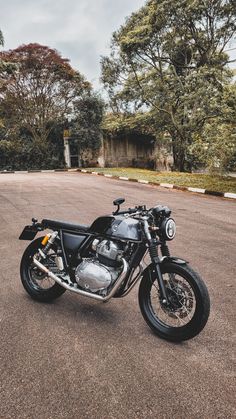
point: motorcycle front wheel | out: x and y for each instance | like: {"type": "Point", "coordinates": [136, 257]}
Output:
{"type": "Point", "coordinates": [189, 303]}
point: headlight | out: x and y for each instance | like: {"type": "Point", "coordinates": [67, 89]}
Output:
{"type": "Point", "coordinates": [168, 229]}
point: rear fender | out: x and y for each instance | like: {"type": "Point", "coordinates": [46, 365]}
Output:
{"type": "Point", "coordinates": [29, 232]}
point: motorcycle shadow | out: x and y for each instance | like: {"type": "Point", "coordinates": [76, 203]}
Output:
{"type": "Point", "coordinates": [107, 319]}
{"type": "Point", "coordinates": [78, 309]}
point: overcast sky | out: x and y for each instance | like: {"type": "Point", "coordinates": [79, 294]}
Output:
{"type": "Point", "coordinates": [79, 29]}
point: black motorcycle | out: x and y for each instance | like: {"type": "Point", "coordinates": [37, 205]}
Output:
{"type": "Point", "coordinates": [106, 260]}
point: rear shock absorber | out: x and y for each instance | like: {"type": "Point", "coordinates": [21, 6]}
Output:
{"type": "Point", "coordinates": [48, 241]}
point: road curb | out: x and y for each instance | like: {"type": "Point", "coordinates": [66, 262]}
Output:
{"type": "Point", "coordinates": [228, 195]}
{"type": "Point", "coordinates": [38, 171]}
{"type": "Point", "coordinates": [163, 185]}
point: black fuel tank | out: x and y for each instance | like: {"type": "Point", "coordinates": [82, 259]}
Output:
{"type": "Point", "coordinates": [117, 226]}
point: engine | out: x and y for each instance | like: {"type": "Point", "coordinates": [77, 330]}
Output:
{"type": "Point", "coordinates": [97, 273]}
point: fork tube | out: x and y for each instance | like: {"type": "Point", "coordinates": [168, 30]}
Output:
{"type": "Point", "coordinates": [165, 250]}
{"type": "Point", "coordinates": [156, 262]}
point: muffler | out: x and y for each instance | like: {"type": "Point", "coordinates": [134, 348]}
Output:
{"type": "Point", "coordinates": [71, 286]}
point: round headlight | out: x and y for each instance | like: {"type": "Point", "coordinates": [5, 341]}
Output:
{"type": "Point", "coordinates": [168, 229]}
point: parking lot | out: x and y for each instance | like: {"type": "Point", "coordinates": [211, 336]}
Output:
{"type": "Point", "coordinates": [77, 358]}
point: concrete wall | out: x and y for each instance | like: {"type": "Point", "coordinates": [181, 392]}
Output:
{"type": "Point", "coordinates": [134, 151]}
{"type": "Point", "coordinates": [127, 151]}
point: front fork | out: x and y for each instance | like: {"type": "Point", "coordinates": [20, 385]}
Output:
{"type": "Point", "coordinates": [156, 263]}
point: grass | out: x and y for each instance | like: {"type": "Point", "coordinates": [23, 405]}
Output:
{"type": "Point", "coordinates": [194, 180]}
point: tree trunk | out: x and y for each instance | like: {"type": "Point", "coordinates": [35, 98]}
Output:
{"type": "Point", "coordinates": [179, 152]}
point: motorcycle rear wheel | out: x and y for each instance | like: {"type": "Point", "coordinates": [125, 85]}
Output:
{"type": "Point", "coordinates": [189, 307]}
{"type": "Point", "coordinates": [37, 284]}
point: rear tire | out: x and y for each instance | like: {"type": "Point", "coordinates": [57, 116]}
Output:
{"type": "Point", "coordinates": [190, 304]}
{"type": "Point", "coordinates": [33, 279]}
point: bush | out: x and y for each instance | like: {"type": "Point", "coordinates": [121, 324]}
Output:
{"type": "Point", "coordinates": [25, 154]}
{"type": "Point", "coordinates": [216, 147]}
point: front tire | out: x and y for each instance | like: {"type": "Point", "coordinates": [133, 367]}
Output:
{"type": "Point", "coordinates": [37, 284]}
{"type": "Point", "coordinates": [189, 307]}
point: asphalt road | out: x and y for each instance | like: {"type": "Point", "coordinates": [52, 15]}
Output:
{"type": "Point", "coordinates": [77, 358]}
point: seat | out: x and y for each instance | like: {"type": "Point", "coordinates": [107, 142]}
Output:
{"type": "Point", "coordinates": [63, 225]}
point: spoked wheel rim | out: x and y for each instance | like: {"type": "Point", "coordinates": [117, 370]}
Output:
{"type": "Point", "coordinates": [40, 280]}
{"type": "Point", "coordinates": [182, 300]}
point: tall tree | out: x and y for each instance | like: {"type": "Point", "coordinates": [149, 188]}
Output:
{"type": "Point", "coordinates": [39, 91]}
{"type": "Point", "coordinates": [216, 146]}
{"type": "Point", "coordinates": [86, 125]}
{"type": "Point", "coordinates": [1, 38]}
{"type": "Point", "coordinates": [169, 57]}
{"type": "Point", "coordinates": [1, 66]}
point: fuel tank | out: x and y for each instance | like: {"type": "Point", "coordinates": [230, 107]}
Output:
{"type": "Point", "coordinates": [117, 227]}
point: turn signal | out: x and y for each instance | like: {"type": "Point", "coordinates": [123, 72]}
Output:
{"type": "Point", "coordinates": [45, 239]}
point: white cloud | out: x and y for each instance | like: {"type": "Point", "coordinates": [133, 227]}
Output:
{"type": "Point", "coordinates": [80, 30]}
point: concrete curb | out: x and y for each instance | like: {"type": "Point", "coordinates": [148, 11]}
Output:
{"type": "Point", "coordinates": [164, 185]}
{"type": "Point", "coordinates": [38, 171]}
{"type": "Point", "coordinates": [229, 195]}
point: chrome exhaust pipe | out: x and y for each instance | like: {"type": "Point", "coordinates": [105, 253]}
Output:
{"type": "Point", "coordinates": [71, 286]}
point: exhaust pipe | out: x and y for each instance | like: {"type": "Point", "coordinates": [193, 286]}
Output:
{"type": "Point", "coordinates": [134, 280]}
{"type": "Point", "coordinates": [74, 287]}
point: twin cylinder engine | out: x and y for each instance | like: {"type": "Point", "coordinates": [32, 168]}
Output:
{"type": "Point", "coordinates": [99, 272]}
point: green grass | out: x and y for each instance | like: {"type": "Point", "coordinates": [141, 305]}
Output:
{"type": "Point", "coordinates": [211, 183]}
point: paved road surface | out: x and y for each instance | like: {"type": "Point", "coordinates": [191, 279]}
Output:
{"type": "Point", "coordinates": [77, 358]}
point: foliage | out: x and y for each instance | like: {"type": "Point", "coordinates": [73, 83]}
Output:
{"type": "Point", "coordinates": [139, 122]}
{"type": "Point", "coordinates": [23, 153]}
{"type": "Point", "coordinates": [39, 91]}
{"type": "Point", "coordinates": [215, 146]}
{"type": "Point", "coordinates": [86, 125]}
{"type": "Point", "coordinates": [169, 58]}
{"type": "Point", "coordinates": [1, 38]}
{"type": "Point", "coordinates": [1, 64]}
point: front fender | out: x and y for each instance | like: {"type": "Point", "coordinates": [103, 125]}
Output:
{"type": "Point", "coordinates": [163, 260]}
{"type": "Point", "coordinates": [173, 259]}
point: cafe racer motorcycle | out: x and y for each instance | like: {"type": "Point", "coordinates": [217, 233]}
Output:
{"type": "Point", "coordinates": [105, 260]}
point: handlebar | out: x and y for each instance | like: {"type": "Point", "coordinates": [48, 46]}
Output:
{"type": "Point", "coordinates": [128, 211]}
{"type": "Point", "coordinates": [158, 211]}
{"type": "Point", "coordinates": [141, 208]}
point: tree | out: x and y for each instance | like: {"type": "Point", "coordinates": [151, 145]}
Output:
{"type": "Point", "coordinates": [86, 125]}
{"type": "Point", "coordinates": [215, 147]}
{"type": "Point", "coordinates": [1, 64]}
{"type": "Point", "coordinates": [39, 91]}
{"type": "Point", "coordinates": [1, 38]}
{"type": "Point", "coordinates": [169, 58]}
